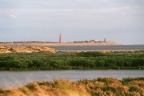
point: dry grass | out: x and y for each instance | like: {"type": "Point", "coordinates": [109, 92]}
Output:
{"type": "Point", "coordinates": [23, 49]}
{"type": "Point", "coordinates": [96, 87]}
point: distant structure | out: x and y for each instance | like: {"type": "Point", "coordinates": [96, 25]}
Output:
{"type": "Point", "coordinates": [60, 38]}
{"type": "Point", "coordinates": [105, 40]}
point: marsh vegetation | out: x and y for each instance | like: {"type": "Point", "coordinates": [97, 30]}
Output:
{"type": "Point", "coordinates": [78, 60]}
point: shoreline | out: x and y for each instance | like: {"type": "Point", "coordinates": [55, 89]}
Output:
{"type": "Point", "coordinates": [58, 44]}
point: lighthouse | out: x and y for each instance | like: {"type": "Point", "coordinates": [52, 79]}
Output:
{"type": "Point", "coordinates": [60, 38]}
{"type": "Point", "coordinates": [105, 40]}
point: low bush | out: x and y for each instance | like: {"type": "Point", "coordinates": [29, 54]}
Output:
{"type": "Point", "coordinates": [82, 60]}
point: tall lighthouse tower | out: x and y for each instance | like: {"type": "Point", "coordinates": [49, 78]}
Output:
{"type": "Point", "coordinates": [60, 38]}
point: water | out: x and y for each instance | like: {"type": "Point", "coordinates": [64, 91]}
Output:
{"type": "Point", "coordinates": [14, 79]}
{"type": "Point", "coordinates": [100, 47]}
{"type": "Point", "coordinates": [10, 79]}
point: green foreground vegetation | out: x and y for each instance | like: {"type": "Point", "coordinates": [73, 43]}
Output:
{"type": "Point", "coordinates": [96, 87]}
{"type": "Point", "coordinates": [77, 60]}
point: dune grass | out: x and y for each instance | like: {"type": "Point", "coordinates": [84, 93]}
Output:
{"type": "Point", "coordinates": [96, 87]}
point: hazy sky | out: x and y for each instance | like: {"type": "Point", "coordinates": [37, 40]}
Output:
{"type": "Point", "coordinates": [120, 21]}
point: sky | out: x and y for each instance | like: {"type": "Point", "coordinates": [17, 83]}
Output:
{"type": "Point", "coordinates": [120, 21]}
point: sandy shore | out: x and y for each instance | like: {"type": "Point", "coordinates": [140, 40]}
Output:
{"type": "Point", "coordinates": [59, 44]}
{"type": "Point", "coordinates": [49, 44]}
